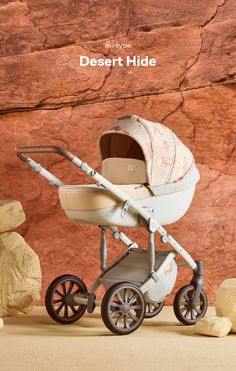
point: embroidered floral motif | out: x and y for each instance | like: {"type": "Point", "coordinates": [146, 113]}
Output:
{"type": "Point", "coordinates": [166, 160]}
{"type": "Point", "coordinates": [148, 152]}
{"type": "Point", "coordinates": [119, 129]}
{"type": "Point", "coordinates": [116, 128]}
{"type": "Point", "coordinates": [166, 144]}
{"type": "Point", "coordinates": [157, 130]}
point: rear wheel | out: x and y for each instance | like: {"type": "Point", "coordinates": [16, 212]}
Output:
{"type": "Point", "coordinates": [59, 299]}
{"type": "Point", "coordinates": [153, 309]}
{"type": "Point", "coordinates": [186, 312]}
{"type": "Point", "coordinates": [123, 308]}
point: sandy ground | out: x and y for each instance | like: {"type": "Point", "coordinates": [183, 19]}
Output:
{"type": "Point", "coordinates": [36, 343]}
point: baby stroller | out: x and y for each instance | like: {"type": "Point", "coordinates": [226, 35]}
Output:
{"type": "Point", "coordinates": [148, 180]}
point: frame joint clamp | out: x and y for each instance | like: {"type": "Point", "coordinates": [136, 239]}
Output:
{"type": "Point", "coordinates": [125, 208]}
{"type": "Point", "coordinates": [165, 238]}
{"type": "Point", "coordinates": [133, 245]}
{"type": "Point", "coordinates": [152, 225]}
{"type": "Point", "coordinates": [116, 235]}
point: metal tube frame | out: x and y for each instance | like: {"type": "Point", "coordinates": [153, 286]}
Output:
{"type": "Point", "coordinates": [152, 224]}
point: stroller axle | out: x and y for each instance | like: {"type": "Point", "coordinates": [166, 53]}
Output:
{"type": "Point", "coordinates": [77, 300]}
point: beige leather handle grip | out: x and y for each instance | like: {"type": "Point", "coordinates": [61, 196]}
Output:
{"type": "Point", "coordinates": [21, 151]}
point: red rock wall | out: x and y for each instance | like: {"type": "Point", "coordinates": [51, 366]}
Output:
{"type": "Point", "coordinates": [47, 98]}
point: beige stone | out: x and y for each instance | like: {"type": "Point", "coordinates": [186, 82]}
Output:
{"type": "Point", "coordinates": [1, 324]}
{"type": "Point", "coordinates": [225, 301]}
{"type": "Point", "coordinates": [11, 215]}
{"type": "Point", "coordinates": [20, 275]}
{"type": "Point", "coordinates": [213, 326]}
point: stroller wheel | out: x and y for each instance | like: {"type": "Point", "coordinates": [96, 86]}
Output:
{"type": "Point", "coordinates": [153, 309]}
{"type": "Point", "coordinates": [59, 299]}
{"type": "Point", "coordinates": [184, 309]}
{"type": "Point", "coordinates": [123, 308]}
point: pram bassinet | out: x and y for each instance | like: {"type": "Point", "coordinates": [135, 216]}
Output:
{"type": "Point", "coordinates": [148, 163]}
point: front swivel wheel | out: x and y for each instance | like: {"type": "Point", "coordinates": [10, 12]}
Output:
{"type": "Point", "coordinates": [123, 308]}
{"type": "Point", "coordinates": [59, 299]}
{"type": "Point", "coordinates": [185, 310]}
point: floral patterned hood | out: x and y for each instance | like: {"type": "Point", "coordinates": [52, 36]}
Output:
{"type": "Point", "coordinates": [167, 158]}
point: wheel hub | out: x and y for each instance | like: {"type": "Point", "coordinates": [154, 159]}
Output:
{"type": "Point", "coordinates": [125, 308]}
{"type": "Point", "coordinates": [68, 299]}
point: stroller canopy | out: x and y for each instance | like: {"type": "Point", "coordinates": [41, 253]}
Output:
{"type": "Point", "coordinates": [167, 159]}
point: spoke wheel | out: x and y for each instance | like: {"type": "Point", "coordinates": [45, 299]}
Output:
{"type": "Point", "coordinates": [123, 308]}
{"type": "Point", "coordinates": [59, 302]}
{"type": "Point", "coordinates": [184, 309]}
{"type": "Point", "coordinates": [153, 309]}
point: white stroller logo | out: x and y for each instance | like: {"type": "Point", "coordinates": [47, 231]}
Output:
{"type": "Point", "coordinates": [158, 193]}
{"type": "Point", "coordinates": [131, 169]}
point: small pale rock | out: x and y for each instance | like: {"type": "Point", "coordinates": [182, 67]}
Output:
{"type": "Point", "coordinates": [225, 301]}
{"type": "Point", "coordinates": [20, 275]}
{"type": "Point", "coordinates": [11, 215]}
{"type": "Point", "coordinates": [213, 326]}
{"type": "Point", "coordinates": [1, 324]}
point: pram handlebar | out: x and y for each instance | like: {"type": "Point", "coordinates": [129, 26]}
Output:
{"type": "Point", "coordinates": [22, 151]}
{"type": "Point", "coordinates": [43, 149]}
